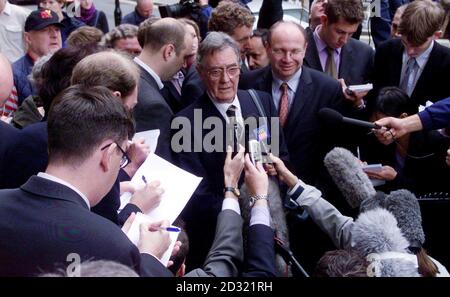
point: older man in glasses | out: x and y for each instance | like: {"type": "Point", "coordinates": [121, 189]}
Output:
{"type": "Point", "coordinates": [227, 108]}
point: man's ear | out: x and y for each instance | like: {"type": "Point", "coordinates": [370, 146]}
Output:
{"type": "Point", "coordinates": [437, 34]}
{"type": "Point", "coordinates": [106, 157]}
{"type": "Point", "coordinates": [168, 51]}
{"type": "Point", "coordinates": [26, 37]}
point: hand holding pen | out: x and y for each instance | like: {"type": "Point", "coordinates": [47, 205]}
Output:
{"type": "Point", "coordinates": [148, 197]}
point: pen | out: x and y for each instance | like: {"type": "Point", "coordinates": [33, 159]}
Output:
{"type": "Point", "coordinates": [144, 179]}
{"type": "Point", "coordinates": [170, 229]}
{"type": "Point", "coordinates": [357, 152]}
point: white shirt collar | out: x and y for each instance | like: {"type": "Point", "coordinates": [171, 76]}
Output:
{"type": "Point", "coordinates": [150, 71]}
{"type": "Point", "coordinates": [292, 83]}
{"type": "Point", "coordinates": [62, 182]}
{"type": "Point", "coordinates": [422, 58]}
{"type": "Point", "coordinates": [223, 107]}
{"type": "Point", "coordinates": [7, 9]}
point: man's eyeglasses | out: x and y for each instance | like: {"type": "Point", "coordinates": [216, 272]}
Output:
{"type": "Point", "coordinates": [282, 53]}
{"type": "Point", "coordinates": [125, 159]}
{"type": "Point", "coordinates": [217, 73]}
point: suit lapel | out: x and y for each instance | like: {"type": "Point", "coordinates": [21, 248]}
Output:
{"type": "Point", "coordinates": [428, 70]}
{"type": "Point", "coordinates": [398, 61]}
{"type": "Point", "coordinates": [302, 95]}
{"type": "Point", "coordinates": [346, 60]}
{"type": "Point", "coordinates": [312, 55]}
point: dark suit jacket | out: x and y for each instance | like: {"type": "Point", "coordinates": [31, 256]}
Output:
{"type": "Point", "coordinates": [356, 63]}
{"type": "Point", "coordinates": [201, 212]}
{"type": "Point", "coordinates": [8, 135]}
{"type": "Point", "coordinates": [433, 82]}
{"type": "Point", "coordinates": [153, 112]}
{"type": "Point", "coordinates": [173, 98]}
{"type": "Point", "coordinates": [193, 87]}
{"type": "Point", "coordinates": [260, 257]}
{"type": "Point", "coordinates": [28, 155]}
{"type": "Point", "coordinates": [43, 222]}
{"type": "Point", "coordinates": [306, 139]}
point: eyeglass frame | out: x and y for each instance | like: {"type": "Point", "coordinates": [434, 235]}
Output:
{"type": "Point", "coordinates": [282, 53]}
{"type": "Point", "coordinates": [125, 159]}
{"type": "Point", "coordinates": [222, 71]}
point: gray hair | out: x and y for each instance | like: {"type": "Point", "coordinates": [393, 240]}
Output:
{"type": "Point", "coordinates": [120, 32]}
{"type": "Point", "coordinates": [217, 41]}
{"type": "Point", "coordinates": [35, 77]}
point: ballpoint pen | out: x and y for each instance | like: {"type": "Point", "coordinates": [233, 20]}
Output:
{"type": "Point", "coordinates": [144, 179]}
{"type": "Point", "coordinates": [170, 229]}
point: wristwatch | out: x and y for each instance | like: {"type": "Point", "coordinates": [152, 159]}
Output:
{"type": "Point", "coordinates": [235, 191]}
{"type": "Point", "coordinates": [254, 198]}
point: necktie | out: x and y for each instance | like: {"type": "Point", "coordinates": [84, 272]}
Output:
{"type": "Point", "coordinates": [177, 81]}
{"type": "Point", "coordinates": [283, 109]}
{"type": "Point", "coordinates": [411, 69]}
{"type": "Point", "coordinates": [330, 66]}
{"type": "Point", "coordinates": [231, 114]}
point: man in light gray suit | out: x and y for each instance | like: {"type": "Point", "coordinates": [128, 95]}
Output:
{"type": "Point", "coordinates": [166, 43]}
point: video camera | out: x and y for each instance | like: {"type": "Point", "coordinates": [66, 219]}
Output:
{"type": "Point", "coordinates": [182, 9]}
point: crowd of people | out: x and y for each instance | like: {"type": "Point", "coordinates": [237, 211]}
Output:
{"type": "Point", "coordinates": [73, 94]}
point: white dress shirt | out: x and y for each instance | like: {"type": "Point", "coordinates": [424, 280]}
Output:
{"type": "Point", "coordinates": [150, 71]}
{"type": "Point", "coordinates": [12, 23]}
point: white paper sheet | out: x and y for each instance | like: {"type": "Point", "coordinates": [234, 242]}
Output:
{"type": "Point", "coordinates": [150, 136]}
{"type": "Point", "coordinates": [134, 232]}
{"type": "Point", "coordinates": [178, 185]}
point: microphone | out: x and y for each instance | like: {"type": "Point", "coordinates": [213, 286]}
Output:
{"type": "Point", "coordinates": [377, 231]}
{"type": "Point", "coordinates": [347, 174]}
{"type": "Point", "coordinates": [331, 116]}
{"type": "Point", "coordinates": [404, 206]}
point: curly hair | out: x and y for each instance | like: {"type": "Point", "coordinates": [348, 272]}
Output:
{"type": "Point", "coordinates": [228, 16]}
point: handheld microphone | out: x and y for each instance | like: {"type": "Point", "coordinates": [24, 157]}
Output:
{"type": "Point", "coordinates": [331, 116]}
{"type": "Point", "coordinates": [347, 174]}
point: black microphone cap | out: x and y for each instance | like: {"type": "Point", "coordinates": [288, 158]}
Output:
{"type": "Point", "coordinates": [330, 115]}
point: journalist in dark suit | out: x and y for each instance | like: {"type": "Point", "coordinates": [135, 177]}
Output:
{"type": "Point", "coordinates": [48, 218]}
{"type": "Point", "coordinates": [428, 79]}
{"type": "Point", "coordinates": [219, 69]}
{"type": "Point", "coordinates": [165, 47]}
{"type": "Point", "coordinates": [355, 57]}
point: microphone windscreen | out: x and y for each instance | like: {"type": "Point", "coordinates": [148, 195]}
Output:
{"type": "Point", "coordinates": [330, 116]}
{"type": "Point", "coordinates": [376, 231]}
{"type": "Point", "coordinates": [405, 207]}
{"type": "Point", "coordinates": [347, 174]}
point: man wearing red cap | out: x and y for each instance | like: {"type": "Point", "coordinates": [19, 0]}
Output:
{"type": "Point", "coordinates": [42, 36]}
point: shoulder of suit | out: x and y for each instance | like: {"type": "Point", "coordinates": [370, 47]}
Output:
{"type": "Point", "coordinates": [359, 45]}
{"type": "Point", "coordinates": [320, 78]}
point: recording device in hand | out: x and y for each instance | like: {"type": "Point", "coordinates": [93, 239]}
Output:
{"type": "Point", "coordinates": [333, 117]}
{"type": "Point", "coordinates": [254, 149]}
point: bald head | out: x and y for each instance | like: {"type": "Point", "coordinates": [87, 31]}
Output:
{"type": "Point", "coordinates": [144, 8]}
{"type": "Point", "coordinates": [6, 79]}
{"type": "Point", "coordinates": [163, 32]}
{"type": "Point", "coordinates": [286, 49]}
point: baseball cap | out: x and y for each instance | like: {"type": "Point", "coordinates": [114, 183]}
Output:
{"type": "Point", "coordinates": [40, 19]}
